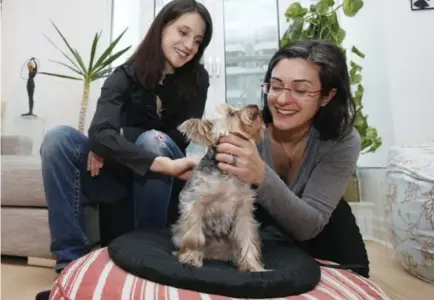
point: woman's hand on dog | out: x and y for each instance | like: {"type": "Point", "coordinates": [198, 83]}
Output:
{"type": "Point", "coordinates": [249, 165]}
{"type": "Point", "coordinates": [181, 167]}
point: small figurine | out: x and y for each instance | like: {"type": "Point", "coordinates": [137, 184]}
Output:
{"type": "Point", "coordinates": [32, 66]}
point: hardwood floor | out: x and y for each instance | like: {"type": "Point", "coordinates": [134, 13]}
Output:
{"type": "Point", "coordinates": [393, 279]}
{"type": "Point", "coordinates": [22, 282]}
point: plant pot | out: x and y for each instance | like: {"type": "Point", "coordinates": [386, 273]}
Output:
{"type": "Point", "coordinates": [352, 192]}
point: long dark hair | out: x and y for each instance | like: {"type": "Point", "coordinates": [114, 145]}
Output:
{"type": "Point", "coordinates": [337, 117]}
{"type": "Point", "coordinates": [148, 60]}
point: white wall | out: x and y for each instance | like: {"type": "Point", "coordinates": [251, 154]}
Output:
{"type": "Point", "coordinates": [1, 55]}
{"type": "Point", "coordinates": [366, 31]}
{"type": "Point", "coordinates": [397, 75]}
{"type": "Point", "coordinates": [409, 39]}
{"type": "Point", "coordinates": [24, 23]}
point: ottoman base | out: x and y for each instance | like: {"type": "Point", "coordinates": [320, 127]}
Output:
{"type": "Point", "coordinates": [95, 276]}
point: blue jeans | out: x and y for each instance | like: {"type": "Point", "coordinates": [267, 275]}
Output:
{"type": "Point", "coordinates": [69, 186]}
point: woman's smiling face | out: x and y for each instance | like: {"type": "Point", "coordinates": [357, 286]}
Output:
{"type": "Point", "coordinates": [181, 39]}
{"type": "Point", "coordinates": [294, 93]}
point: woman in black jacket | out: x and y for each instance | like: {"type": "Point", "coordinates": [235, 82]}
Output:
{"type": "Point", "coordinates": [133, 146]}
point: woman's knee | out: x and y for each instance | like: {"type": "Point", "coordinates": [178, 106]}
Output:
{"type": "Point", "coordinates": [156, 142]}
{"type": "Point", "coordinates": [60, 139]}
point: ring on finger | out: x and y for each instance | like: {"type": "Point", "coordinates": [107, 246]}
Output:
{"type": "Point", "coordinates": [234, 160]}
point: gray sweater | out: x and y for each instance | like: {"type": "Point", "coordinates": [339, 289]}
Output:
{"type": "Point", "coordinates": [304, 205]}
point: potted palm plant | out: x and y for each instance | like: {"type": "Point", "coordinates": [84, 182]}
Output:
{"type": "Point", "coordinates": [320, 21]}
{"type": "Point", "coordinates": [95, 69]}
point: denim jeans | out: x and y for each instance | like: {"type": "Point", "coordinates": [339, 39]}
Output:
{"type": "Point", "coordinates": [67, 183]}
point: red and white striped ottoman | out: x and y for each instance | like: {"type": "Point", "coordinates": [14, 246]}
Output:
{"type": "Point", "coordinates": [95, 277]}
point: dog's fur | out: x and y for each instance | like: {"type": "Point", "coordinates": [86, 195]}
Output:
{"type": "Point", "coordinates": [216, 209]}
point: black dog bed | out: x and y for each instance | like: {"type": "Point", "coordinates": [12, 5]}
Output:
{"type": "Point", "coordinates": [148, 254]}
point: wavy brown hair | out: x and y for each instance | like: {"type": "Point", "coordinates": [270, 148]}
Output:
{"type": "Point", "coordinates": [337, 117]}
{"type": "Point", "coordinates": [148, 60]}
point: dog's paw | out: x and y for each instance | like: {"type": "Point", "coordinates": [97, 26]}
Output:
{"type": "Point", "coordinates": [194, 258]}
{"type": "Point", "coordinates": [251, 268]}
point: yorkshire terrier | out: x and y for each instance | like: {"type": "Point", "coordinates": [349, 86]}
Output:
{"type": "Point", "coordinates": [216, 208]}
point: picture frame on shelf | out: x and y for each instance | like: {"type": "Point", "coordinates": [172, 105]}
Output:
{"type": "Point", "coordinates": [419, 5]}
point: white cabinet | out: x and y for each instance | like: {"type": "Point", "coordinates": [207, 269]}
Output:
{"type": "Point", "coordinates": [245, 36]}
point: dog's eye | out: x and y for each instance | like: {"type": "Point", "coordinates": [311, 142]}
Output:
{"type": "Point", "coordinates": [231, 113]}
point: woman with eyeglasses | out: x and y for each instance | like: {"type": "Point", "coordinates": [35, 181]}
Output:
{"type": "Point", "coordinates": [301, 168]}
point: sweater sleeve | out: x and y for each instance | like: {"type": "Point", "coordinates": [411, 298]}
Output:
{"type": "Point", "coordinates": [304, 217]}
{"type": "Point", "coordinates": [105, 139]}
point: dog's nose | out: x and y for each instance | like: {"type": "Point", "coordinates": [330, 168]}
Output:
{"type": "Point", "coordinates": [253, 106]}
{"type": "Point", "coordinates": [253, 111]}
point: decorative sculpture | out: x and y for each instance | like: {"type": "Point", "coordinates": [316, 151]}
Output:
{"type": "Point", "coordinates": [421, 5]}
{"type": "Point", "coordinates": [32, 67]}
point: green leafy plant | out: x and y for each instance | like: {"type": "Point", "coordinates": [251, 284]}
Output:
{"type": "Point", "coordinates": [94, 70]}
{"type": "Point", "coordinates": [320, 21]}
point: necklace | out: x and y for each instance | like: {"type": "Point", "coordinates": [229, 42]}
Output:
{"type": "Point", "coordinates": [294, 149]}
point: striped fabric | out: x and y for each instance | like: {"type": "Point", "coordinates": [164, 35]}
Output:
{"type": "Point", "coordinates": [95, 277]}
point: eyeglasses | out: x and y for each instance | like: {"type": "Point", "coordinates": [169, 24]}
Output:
{"type": "Point", "coordinates": [275, 91]}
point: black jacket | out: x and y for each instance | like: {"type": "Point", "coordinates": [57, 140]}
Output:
{"type": "Point", "coordinates": [124, 103]}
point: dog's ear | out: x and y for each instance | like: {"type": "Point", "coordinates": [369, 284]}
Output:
{"type": "Point", "coordinates": [198, 131]}
{"type": "Point", "coordinates": [252, 122]}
